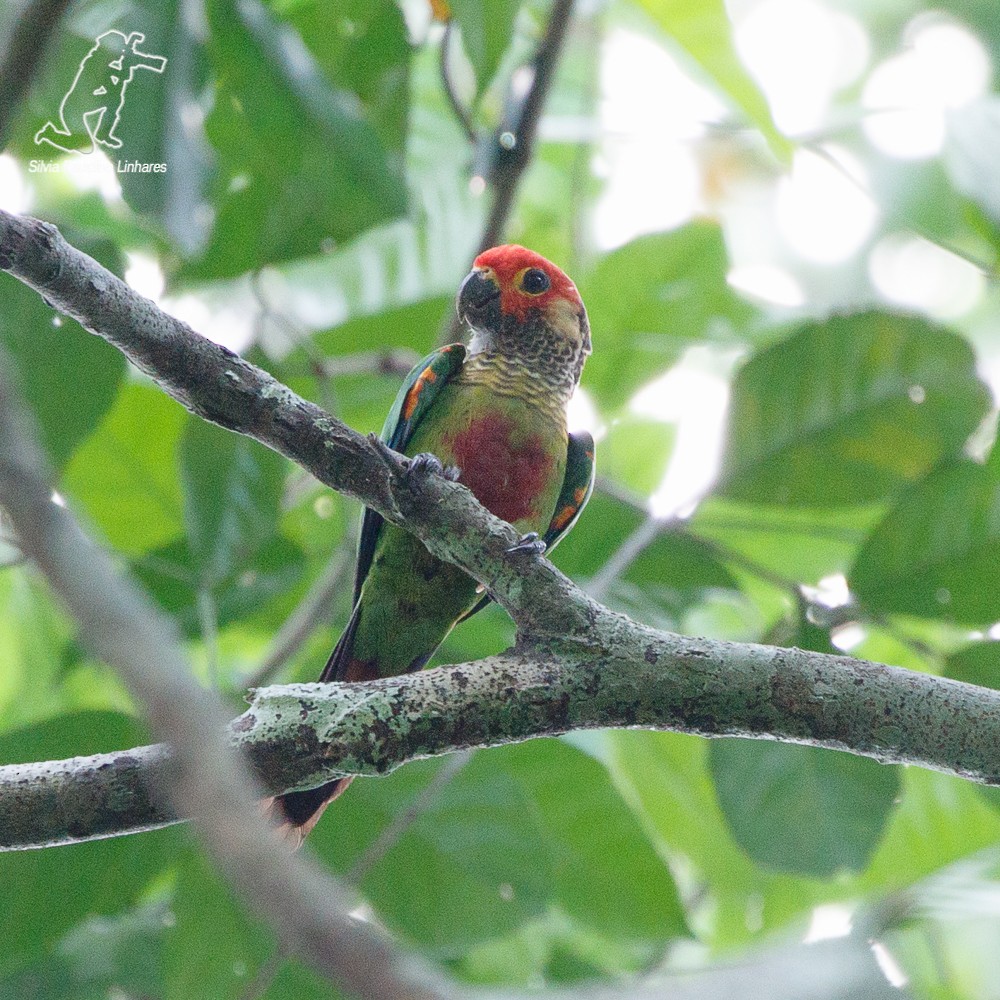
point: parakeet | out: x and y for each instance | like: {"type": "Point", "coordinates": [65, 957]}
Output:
{"type": "Point", "coordinates": [496, 412]}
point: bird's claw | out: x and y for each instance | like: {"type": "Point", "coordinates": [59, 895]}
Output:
{"type": "Point", "coordinates": [528, 544]}
{"type": "Point", "coordinates": [427, 464]}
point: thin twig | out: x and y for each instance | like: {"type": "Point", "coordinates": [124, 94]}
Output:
{"type": "Point", "coordinates": [623, 557]}
{"type": "Point", "coordinates": [395, 361]}
{"type": "Point", "coordinates": [580, 172]}
{"type": "Point", "coordinates": [208, 621]}
{"type": "Point", "coordinates": [645, 535]}
{"type": "Point", "coordinates": [458, 109]}
{"type": "Point", "coordinates": [402, 821]}
{"type": "Point", "coordinates": [988, 271]}
{"type": "Point", "coordinates": [612, 488]}
{"type": "Point", "coordinates": [511, 162]}
{"type": "Point", "coordinates": [296, 334]}
{"type": "Point", "coordinates": [25, 52]}
{"type": "Point", "coordinates": [261, 983]}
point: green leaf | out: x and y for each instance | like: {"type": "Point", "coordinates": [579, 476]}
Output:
{"type": "Point", "coordinates": [802, 809]}
{"type": "Point", "coordinates": [666, 779]}
{"type": "Point", "coordinates": [124, 476]}
{"type": "Point", "coordinates": [681, 561]}
{"type": "Point", "coordinates": [977, 663]}
{"type": "Point", "coordinates": [486, 832]}
{"type": "Point", "coordinates": [798, 544]}
{"type": "Point", "coordinates": [650, 299]}
{"type": "Point", "coordinates": [213, 950]}
{"type": "Point", "coordinates": [96, 959]}
{"type": "Point", "coordinates": [163, 124]}
{"type": "Point", "coordinates": [171, 576]}
{"type": "Point", "coordinates": [487, 27]}
{"type": "Point", "coordinates": [635, 452]}
{"type": "Point", "coordinates": [297, 982]}
{"type": "Point", "coordinates": [471, 865]}
{"type": "Point", "coordinates": [33, 635]}
{"type": "Point", "coordinates": [772, 793]}
{"type": "Point", "coordinates": [334, 124]}
{"type": "Point", "coordinates": [232, 493]}
{"type": "Point", "coordinates": [940, 819]}
{"type": "Point", "coordinates": [848, 410]}
{"type": "Point", "coordinates": [919, 196]}
{"type": "Point", "coordinates": [936, 552]}
{"type": "Point", "coordinates": [415, 325]}
{"type": "Point", "coordinates": [674, 572]}
{"type": "Point", "coordinates": [973, 145]}
{"type": "Point", "coordinates": [67, 377]}
{"type": "Point", "coordinates": [603, 526]}
{"type": "Point", "coordinates": [46, 892]}
{"type": "Point", "coordinates": [488, 633]}
{"type": "Point", "coordinates": [71, 735]}
{"type": "Point", "coordinates": [606, 875]}
{"type": "Point", "coordinates": [408, 331]}
{"type": "Point", "coordinates": [702, 28]}
{"type": "Point", "coordinates": [515, 832]}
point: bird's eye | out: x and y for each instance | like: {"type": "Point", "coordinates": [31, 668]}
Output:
{"type": "Point", "coordinates": [535, 281]}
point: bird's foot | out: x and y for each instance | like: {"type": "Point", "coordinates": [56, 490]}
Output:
{"type": "Point", "coordinates": [426, 464]}
{"type": "Point", "coordinates": [529, 544]}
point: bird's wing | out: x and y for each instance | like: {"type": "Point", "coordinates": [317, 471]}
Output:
{"type": "Point", "coordinates": [578, 484]}
{"type": "Point", "coordinates": [413, 400]}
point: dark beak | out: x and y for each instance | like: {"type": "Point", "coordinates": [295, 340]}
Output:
{"type": "Point", "coordinates": [478, 296]}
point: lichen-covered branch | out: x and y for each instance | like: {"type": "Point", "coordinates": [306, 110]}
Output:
{"type": "Point", "coordinates": [577, 664]}
{"type": "Point", "coordinates": [299, 735]}
{"type": "Point", "coordinates": [218, 385]}
{"type": "Point", "coordinates": [201, 776]}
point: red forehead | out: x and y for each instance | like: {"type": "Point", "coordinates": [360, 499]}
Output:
{"type": "Point", "coordinates": [507, 262]}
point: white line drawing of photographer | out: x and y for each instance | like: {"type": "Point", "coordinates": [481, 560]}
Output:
{"type": "Point", "coordinates": [90, 110]}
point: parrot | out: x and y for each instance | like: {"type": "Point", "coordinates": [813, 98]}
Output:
{"type": "Point", "coordinates": [492, 415]}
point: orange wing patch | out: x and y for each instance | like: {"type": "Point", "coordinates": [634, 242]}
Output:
{"type": "Point", "coordinates": [425, 378]}
{"type": "Point", "coordinates": [563, 517]}
{"type": "Point", "coordinates": [567, 512]}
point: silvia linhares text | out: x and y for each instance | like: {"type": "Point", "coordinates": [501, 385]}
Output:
{"type": "Point", "coordinates": [121, 167]}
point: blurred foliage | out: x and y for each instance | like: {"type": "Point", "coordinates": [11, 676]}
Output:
{"type": "Point", "coordinates": [319, 206]}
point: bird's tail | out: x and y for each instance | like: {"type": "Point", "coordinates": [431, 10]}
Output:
{"type": "Point", "coordinates": [294, 814]}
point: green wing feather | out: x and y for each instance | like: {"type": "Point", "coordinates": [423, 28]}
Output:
{"type": "Point", "coordinates": [578, 484]}
{"type": "Point", "coordinates": [416, 396]}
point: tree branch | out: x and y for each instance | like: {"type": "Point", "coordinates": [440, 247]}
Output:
{"type": "Point", "coordinates": [577, 664]}
{"type": "Point", "coordinates": [300, 735]}
{"type": "Point", "coordinates": [510, 159]}
{"type": "Point", "coordinates": [457, 108]}
{"type": "Point", "coordinates": [313, 608]}
{"type": "Point", "coordinates": [219, 386]}
{"type": "Point", "coordinates": [202, 776]}
{"type": "Point", "coordinates": [510, 163]}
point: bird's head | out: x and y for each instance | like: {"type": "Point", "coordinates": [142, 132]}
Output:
{"type": "Point", "coordinates": [521, 306]}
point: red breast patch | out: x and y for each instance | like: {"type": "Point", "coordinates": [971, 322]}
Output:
{"type": "Point", "coordinates": [506, 479]}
